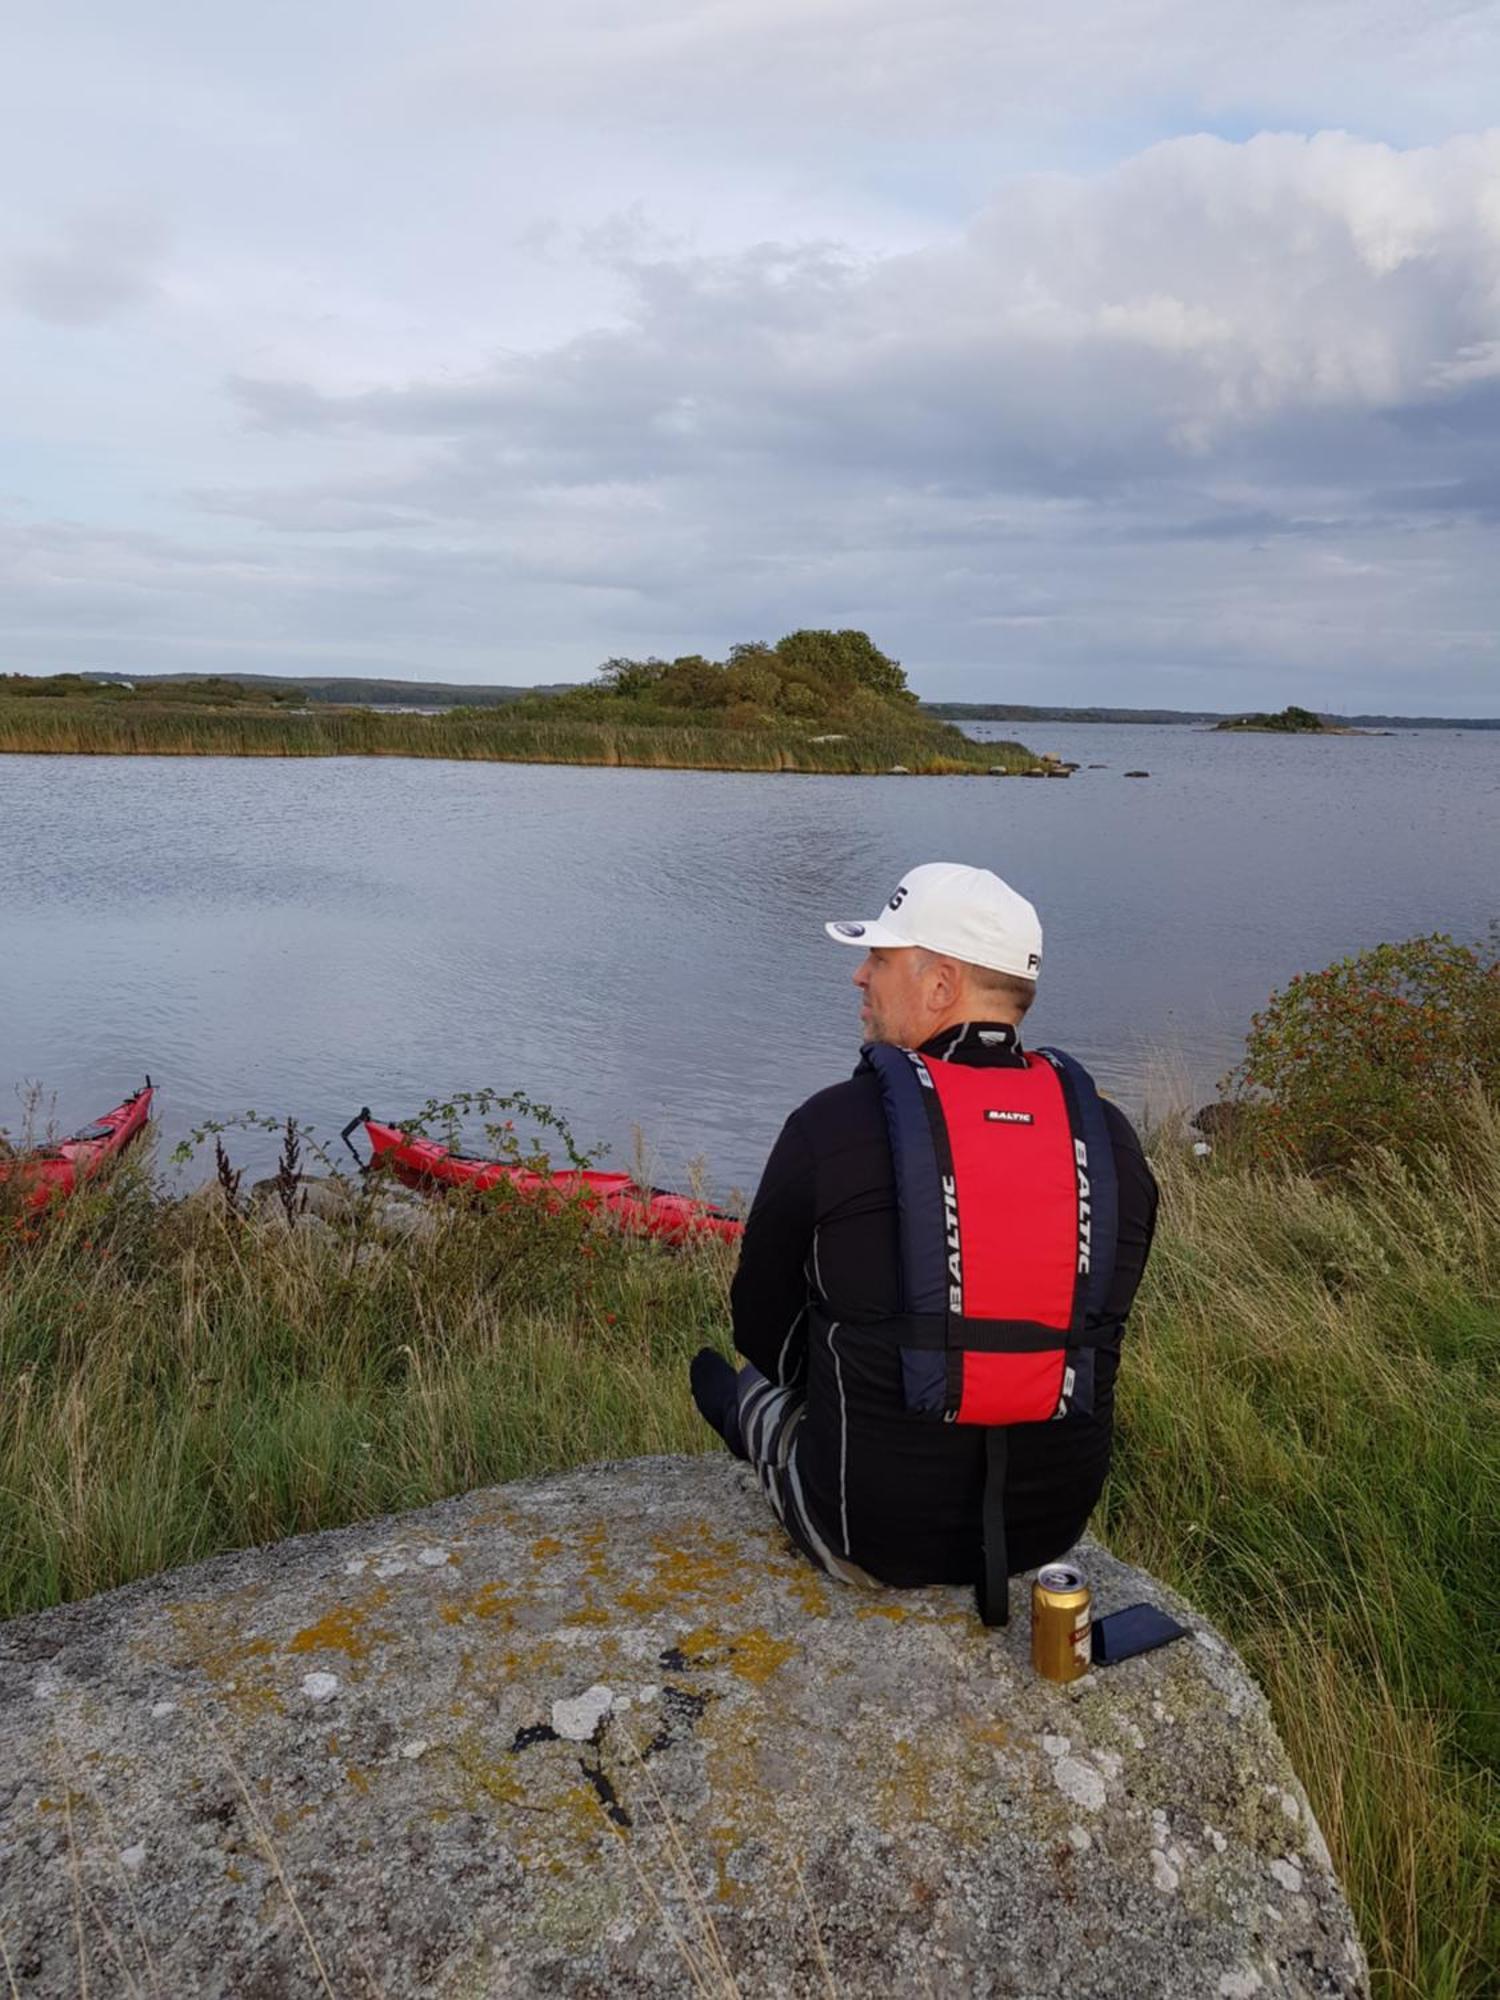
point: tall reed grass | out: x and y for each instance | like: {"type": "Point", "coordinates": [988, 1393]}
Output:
{"type": "Point", "coordinates": [97, 728]}
{"type": "Point", "coordinates": [1306, 1443]}
{"type": "Point", "coordinates": [1308, 1446]}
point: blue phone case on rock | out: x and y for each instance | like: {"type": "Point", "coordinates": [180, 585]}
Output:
{"type": "Point", "coordinates": [1139, 1628]}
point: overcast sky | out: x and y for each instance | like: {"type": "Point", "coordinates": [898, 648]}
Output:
{"type": "Point", "coordinates": [1117, 350]}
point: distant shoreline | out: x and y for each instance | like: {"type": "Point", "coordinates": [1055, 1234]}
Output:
{"type": "Point", "coordinates": [392, 696]}
{"type": "Point", "coordinates": [961, 711]}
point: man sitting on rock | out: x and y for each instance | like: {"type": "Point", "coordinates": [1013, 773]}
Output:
{"type": "Point", "coordinates": [937, 1268]}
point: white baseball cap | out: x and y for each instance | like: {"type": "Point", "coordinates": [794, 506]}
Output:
{"type": "Point", "coordinates": [965, 913]}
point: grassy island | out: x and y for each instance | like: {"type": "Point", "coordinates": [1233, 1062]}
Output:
{"type": "Point", "coordinates": [1289, 721]}
{"type": "Point", "coordinates": [815, 701]}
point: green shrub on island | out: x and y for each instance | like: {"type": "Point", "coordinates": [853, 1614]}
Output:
{"type": "Point", "coordinates": [1379, 1051]}
{"type": "Point", "coordinates": [814, 678]}
{"type": "Point", "coordinates": [1291, 721]}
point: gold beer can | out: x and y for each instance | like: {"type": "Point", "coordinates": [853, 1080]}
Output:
{"type": "Point", "coordinates": [1060, 1623]}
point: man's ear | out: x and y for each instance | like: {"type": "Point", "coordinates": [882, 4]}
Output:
{"type": "Point", "coordinates": [948, 981]}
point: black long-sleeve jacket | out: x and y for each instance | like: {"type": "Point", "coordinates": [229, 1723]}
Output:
{"type": "Point", "coordinates": [824, 1225]}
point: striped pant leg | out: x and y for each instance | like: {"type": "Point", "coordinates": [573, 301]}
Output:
{"type": "Point", "coordinates": [770, 1420]}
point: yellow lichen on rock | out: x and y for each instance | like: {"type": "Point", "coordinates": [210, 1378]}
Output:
{"type": "Point", "coordinates": [495, 1602]}
{"type": "Point", "coordinates": [755, 1656]}
{"type": "Point", "coordinates": [341, 1630]}
{"type": "Point", "coordinates": [697, 1563]}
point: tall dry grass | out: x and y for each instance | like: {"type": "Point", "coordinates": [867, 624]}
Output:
{"type": "Point", "coordinates": [101, 728]}
{"type": "Point", "coordinates": [1307, 1447]}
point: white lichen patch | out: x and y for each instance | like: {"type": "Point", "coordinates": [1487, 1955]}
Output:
{"type": "Point", "coordinates": [1243, 1984]}
{"type": "Point", "coordinates": [1220, 1844]}
{"type": "Point", "coordinates": [417, 1747]}
{"type": "Point", "coordinates": [356, 1566]}
{"type": "Point", "coordinates": [1080, 1782]}
{"type": "Point", "coordinates": [320, 1687]}
{"type": "Point", "coordinates": [576, 1720]}
{"type": "Point", "coordinates": [1163, 1874]}
{"type": "Point", "coordinates": [162, 1708]}
{"type": "Point", "coordinates": [392, 1566]}
{"type": "Point", "coordinates": [1290, 1807]}
{"type": "Point", "coordinates": [433, 1558]}
{"type": "Point", "coordinates": [1057, 1746]}
{"type": "Point", "coordinates": [131, 1857]}
{"type": "Point", "coordinates": [1080, 1839]}
{"type": "Point", "coordinates": [1289, 1875]}
{"type": "Point", "coordinates": [651, 1692]}
{"type": "Point", "coordinates": [1110, 1762]}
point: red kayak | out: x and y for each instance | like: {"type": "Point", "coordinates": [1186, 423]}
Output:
{"type": "Point", "coordinates": [47, 1173]}
{"type": "Point", "coordinates": [673, 1218]}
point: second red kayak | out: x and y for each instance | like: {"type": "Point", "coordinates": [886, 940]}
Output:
{"type": "Point", "coordinates": [47, 1173]}
{"type": "Point", "coordinates": [643, 1211]}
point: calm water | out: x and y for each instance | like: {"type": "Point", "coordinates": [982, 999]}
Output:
{"type": "Point", "coordinates": [645, 948]}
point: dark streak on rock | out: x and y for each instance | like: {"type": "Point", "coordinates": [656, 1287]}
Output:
{"type": "Point", "coordinates": [685, 1705]}
{"type": "Point", "coordinates": [538, 1732]}
{"type": "Point", "coordinates": [598, 1777]}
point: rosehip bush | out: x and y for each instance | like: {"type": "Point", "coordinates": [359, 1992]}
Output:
{"type": "Point", "coordinates": [1382, 1049]}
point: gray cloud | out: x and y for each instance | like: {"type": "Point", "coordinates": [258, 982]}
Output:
{"type": "Point", "coordinates": [827, 74]}
{"type": "Point", "coordinates": [1286, 312]}
{"type": "Point", "coordinates": [99, 264]}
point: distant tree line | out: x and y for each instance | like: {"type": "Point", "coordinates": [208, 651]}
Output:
{"type": "Point", "coordinates": [211, 692]}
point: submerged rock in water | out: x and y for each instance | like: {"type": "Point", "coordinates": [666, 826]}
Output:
{"type": "Point", "coordinates": [606, 1734]}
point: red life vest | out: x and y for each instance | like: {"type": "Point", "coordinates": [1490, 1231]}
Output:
{"type": "Point", "coordinates": [1007, 1199]}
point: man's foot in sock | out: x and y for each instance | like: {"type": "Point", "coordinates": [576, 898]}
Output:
{"type": "Point", "coordinates": [716, 1392]}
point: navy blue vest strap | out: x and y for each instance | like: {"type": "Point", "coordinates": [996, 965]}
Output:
{"type": "Point", "coordinates": [979, 1336]}
{"type": "Point", "coordinates": [992, 1588]}
{"type": "Point", "coordinates": [1086, 1115]}
{"type": "Point", "coordinates": [924, 1265]}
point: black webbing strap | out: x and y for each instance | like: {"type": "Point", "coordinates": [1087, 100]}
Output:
{"type": "Point", "coordinates": [993, 1588]}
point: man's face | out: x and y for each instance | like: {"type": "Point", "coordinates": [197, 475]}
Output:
{"type": "Point", "coordinates": [894, 985]}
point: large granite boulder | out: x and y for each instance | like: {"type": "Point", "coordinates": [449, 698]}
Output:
{"type": "Point", "coordinates": [607, 1734]}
